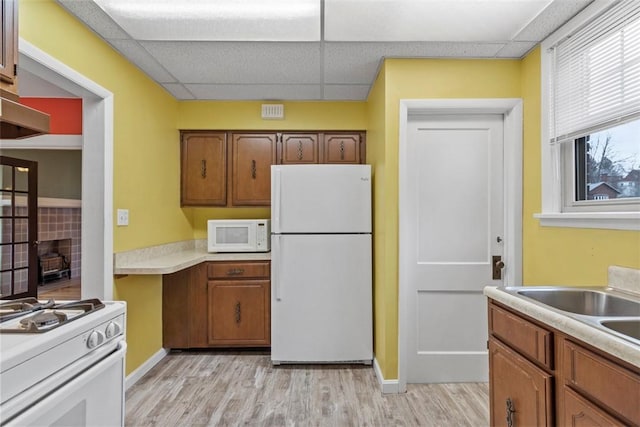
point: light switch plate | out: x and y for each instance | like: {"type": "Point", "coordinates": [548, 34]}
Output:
{"type": "Point", "coordinates": [123, 217]}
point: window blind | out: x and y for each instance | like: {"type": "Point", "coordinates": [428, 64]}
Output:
{"type": "Point", "coordinates": [595, 79]}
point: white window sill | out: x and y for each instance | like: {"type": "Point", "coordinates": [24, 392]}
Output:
{"type": "Point", "coordinates": [605, 220]}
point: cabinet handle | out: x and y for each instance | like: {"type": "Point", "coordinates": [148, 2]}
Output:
{"type": "Point", "coordinates": [235, 271]}
{"type": "Point", "coordinates": [341, 150]}
{"type": "Point", "coordinates": [299, 150]}
{"type": "Point", "coordinates": [238, 312]}
{"type": "Point", "coordinates": [253, 169]}
{"type": "Point", "coordinates": [510, 411]}
{"type": "Point", "coordinates": [203, 168]}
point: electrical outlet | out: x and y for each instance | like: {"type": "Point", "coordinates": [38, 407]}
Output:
{"type": "Point", "coordinates": [123, 216]}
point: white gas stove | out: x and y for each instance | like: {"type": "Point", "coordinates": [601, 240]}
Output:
{"type": "Point", "coordinates": [62, 363]}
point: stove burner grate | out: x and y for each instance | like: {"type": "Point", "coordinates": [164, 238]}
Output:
{"type": "Point", "coordinates": [43, 320]}
{"type": "Point", "coordinates": [53, 316]}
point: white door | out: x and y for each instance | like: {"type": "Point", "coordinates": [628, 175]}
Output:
{"type": "Point", "coordinates": [453, 227]}
{"type": "Point", "coordinates": [321, 199]}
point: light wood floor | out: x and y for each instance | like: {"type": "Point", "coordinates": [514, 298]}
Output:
{"type": "Point", "coordinates": [242, 388]}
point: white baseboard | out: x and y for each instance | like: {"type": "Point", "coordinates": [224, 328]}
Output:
{"type": "Point", "coordinates": [386, 386]}
{"type": "Point", "coordinates": [134, 376]}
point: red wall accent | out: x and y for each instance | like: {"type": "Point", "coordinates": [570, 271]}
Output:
{"type": "Point", "coordinates": [66, 113]}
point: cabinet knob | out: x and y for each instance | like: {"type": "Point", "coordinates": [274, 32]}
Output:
{"type": "Point", "coordinates": [238, 312]}
{"type": "Point", "coordinates": [253, 169]}
{"type": "Point", "coordinates": [299, 150]}
{"type": "Point", "coordinates": [235, 271]}
{"type": "Point", "coordinates": [510, 411]}
{"type": "Point", "coordinates": [341, 150]}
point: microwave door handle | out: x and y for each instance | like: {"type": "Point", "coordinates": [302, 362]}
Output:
{"type": "Point", "coordinates": [277, 273]}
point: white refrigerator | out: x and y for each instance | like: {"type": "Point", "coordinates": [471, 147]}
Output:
{"type": "Point", "coordinates": [321, 286]}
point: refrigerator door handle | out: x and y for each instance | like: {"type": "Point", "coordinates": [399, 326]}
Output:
{"type": "Point", "coordinates": [277, 249]}
{"type": "Point", "coordinates": [276, 201]}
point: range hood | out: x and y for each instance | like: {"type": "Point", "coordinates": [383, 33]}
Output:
{"type": "Point", "coordinates": [19, 121]}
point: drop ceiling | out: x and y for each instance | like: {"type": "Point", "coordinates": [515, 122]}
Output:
{"type": "Point", "coordinates": [308, 49]}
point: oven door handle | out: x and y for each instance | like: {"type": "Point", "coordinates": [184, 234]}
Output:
{"type": "Point", "coordinates": [98, 359]}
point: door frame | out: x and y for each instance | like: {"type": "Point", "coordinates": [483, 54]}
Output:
{"type": "Point", "coordinates": [97, 166]}
{"type": "Point", "coordinates": [511, 108]}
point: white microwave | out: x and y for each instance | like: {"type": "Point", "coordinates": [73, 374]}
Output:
{"type": "Point", "coordinates": [238, 235]}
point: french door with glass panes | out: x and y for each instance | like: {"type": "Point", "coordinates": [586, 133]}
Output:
{"type": "Point", "coordinates": [18, 228]}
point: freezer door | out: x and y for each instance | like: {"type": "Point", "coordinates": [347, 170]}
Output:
{"type": "Point", "coordinates": [321, 198]}
{"type": "Point", "coordinates": [321, 301]}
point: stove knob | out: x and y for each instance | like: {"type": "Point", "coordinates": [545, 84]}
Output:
{"type": "Point", "coordinates": [112, 330]}
{"type": "Point", "coordinates": [94, 339]}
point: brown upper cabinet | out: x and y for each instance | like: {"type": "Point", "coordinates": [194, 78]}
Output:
{"type": "Point", "coordinates": [343, 148]}
{"type": "Point", "coordinates": [233, 168]}
{"type": "Point", "coordinates": [204, 168]}
{"type": "Point", "coordinates": [252, 155]}
{"type": "Point", "coordinates": [9, 47]}
{"type": "Point", "coordinates": [298, 148]}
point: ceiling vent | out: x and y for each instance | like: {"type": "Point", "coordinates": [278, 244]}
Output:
{"type": "Point", "coordinates": [272, 111]}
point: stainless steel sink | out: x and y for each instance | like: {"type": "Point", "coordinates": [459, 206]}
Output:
{"type": "Point", "coordinates": [630, 328]}
{"type": "Point", "coordinates": [584, 301]}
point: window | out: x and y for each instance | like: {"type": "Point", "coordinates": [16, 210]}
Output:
{"type": "Point", "coordinates": [591, 119]}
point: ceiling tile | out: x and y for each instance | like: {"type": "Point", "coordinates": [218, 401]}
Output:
{"type": "Point", "coordinates": [178, 91]}
{"type": "Point", "coordinates": [556, 14]}
{"type": "Point", "coordinates": [219, 20]}
{"type": "Point", "coordinates": [433, 20]}
{"type": "Point", "coordinates": [139, 56]}
{"type": "Point", "coordinates": [255, 92]}
{"type": "Point", "coordinates": [346, 92]}
{"type": "Point", "coordinates": [358, 62]}
{"type": "Point", "coordinates": [93, 16]}
{"type": "Point", "coordinates": [238, 62]}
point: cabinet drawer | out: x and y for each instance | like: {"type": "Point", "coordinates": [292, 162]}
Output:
{"type": "Point", "coordinates": [602, 381]}
{"type": "Point", "coordinates": [240, 270]}
{"type": "Point", "coordinates": [530, 339]}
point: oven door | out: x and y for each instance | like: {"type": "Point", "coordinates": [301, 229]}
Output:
{"type": "Point", "coordinates": [93, 398]}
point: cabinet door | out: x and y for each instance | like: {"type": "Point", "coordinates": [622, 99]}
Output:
{"type": "Point", "coordinates": [299, 148]}
{"type": "Point", "coordinates": [580, 413]}
{"type": "Point", "coordinates": [341, 148]}
{"type": "Point", "coordinates": [519, 391]}
{"type": "Point", "coordinates": [239, 312]}
{"type": "Point", "coordinates": [252, 157]}
{"type": "Point", "coordinates": [204, 169]}
{"type": "Point", "coordinates": [9, 45]}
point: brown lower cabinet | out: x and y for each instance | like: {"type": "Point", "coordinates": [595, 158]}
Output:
{"type": "Point", "coordinates": [217, 304]}
{"type": "Point", "coordinates": [539, 376]}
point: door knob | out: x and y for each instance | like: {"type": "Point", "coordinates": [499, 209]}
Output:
{"type": "Point", "coordinates": [498, 265]}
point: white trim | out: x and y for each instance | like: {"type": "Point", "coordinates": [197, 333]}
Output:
{"type": "Point", "coordinates": [44, 142]}
{"type": "Point", "coordinates": [552, 214]}
{"type": "Point", "coordinates": [512, 110]}
{"type": "Point", "coordinates": [134, 376]}
{"type": "Point", "coordinates": [97, 166]}
{"type": "Point", "coordinates": [386, 386]}
{"type": "Point", "coordinates": [603, 220]}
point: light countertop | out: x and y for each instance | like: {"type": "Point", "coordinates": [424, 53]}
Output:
{"type": "Point", "coordinates": [618, 347]}
{"type": "Point", "coordinates": [173, 257]}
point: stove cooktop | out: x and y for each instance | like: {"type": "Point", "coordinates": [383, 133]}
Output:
{"type": "Point", "coordinates": [28, 315]}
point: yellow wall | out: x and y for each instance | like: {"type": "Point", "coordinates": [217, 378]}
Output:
{"type": "Point", "coordinates": [561, 256]}
{"type": "Point", "coordinates": [418, 79]}
{"type": "Point", "coordinates": [145, 149]}
{"type": "Point", "coordinates": [382, 304]}
{"type": "Point", "coordinates": [146, 166]}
